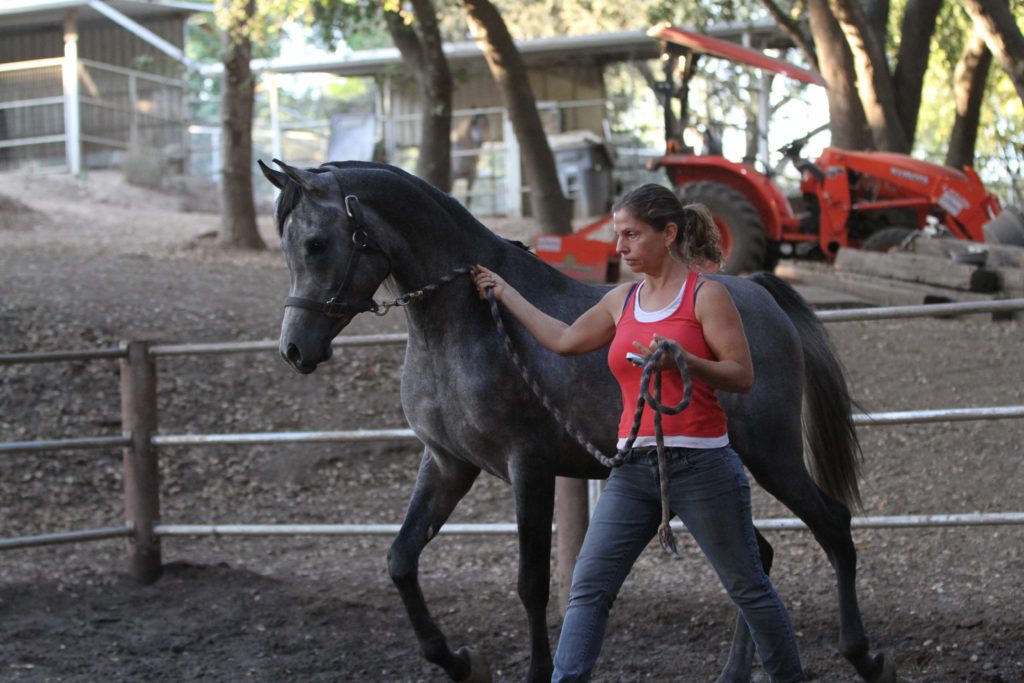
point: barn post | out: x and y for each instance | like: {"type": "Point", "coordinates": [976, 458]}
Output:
{"type": "Point", "coordinates": [572, 517]}
{"type": "Point", "coordinates": [69, 76]}
{"type": "Point", "coordinates": [141, 472]}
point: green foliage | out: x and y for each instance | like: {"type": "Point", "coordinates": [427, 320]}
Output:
{"type": "Point", "coordinates": [999, 153]}
{"type": "Point", "coordinates": [203, 48]}
{"type": "Point", "coordinates": [358, 23]}
{"type": "Point", "coordinates": [546, 18]}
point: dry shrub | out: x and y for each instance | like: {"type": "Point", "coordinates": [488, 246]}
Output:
{"type": "Point", "coordinates": [144, 168]}
{"type": "Point", "coordinates": [14, 215]}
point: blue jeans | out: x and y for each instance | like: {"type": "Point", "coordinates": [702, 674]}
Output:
{"type": "Point", "coordinates": [709, 492]}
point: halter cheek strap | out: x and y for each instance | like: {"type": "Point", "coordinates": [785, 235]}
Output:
{"type": "Point", "coordinates": [336, 307]}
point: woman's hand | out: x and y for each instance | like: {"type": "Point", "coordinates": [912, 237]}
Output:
{"type": "Point", "coordinates": [487, 279]}
{"type": "Point", "coordinates": [667, 361]}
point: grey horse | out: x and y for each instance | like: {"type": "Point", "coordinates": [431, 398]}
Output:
{"type": "Point", "coordinates": [348, 227]}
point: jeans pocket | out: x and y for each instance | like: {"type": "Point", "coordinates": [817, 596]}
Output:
{"type": "Point", "coordinates": [703, 459]}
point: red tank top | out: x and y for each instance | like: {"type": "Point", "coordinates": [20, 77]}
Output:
{"type": "Point", "coordinates": [702, 424]}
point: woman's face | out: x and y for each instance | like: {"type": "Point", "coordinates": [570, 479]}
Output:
{"type": "Point", "coordinates": [641, 247]}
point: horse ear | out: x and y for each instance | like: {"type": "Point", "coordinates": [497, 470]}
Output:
{"type": "Point", "coordinates": [276, 178]}
{"type": "Point", "coordinates": [307, 180]}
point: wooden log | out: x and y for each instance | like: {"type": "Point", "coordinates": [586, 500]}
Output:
{"type": "Point", "coordinates": [876, 290]}
{"type": "Point", "coordinates": [999, 255]}
{"type": "Point", "coordinates": [909, 267]}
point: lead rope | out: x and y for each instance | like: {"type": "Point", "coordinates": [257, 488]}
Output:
{"type": "Point", "coordinates": [426, 290]}
{"type": "Point", "coordinates": [651, 367]}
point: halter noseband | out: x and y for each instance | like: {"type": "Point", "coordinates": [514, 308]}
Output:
{"type": "Point", "coordinates": [335, 307]}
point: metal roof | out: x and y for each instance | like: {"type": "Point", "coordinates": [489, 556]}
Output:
{"type": "Point", "coordinates": [34, 14]}
{"type": "Point", "coordinates": [603, 47]}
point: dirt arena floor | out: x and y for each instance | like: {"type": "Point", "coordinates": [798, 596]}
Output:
{"type": "Point", "coordinates": [88, 264]}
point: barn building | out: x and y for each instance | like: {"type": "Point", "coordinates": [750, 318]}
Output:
{"type": "Point", "coordinates": [82, 82]}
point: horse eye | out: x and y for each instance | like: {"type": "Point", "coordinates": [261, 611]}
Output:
{"type": "Point", "coordinates": [316, 246]}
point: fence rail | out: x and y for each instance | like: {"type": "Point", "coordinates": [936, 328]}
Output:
{"type": "Point", "coordinates": [141, 443]}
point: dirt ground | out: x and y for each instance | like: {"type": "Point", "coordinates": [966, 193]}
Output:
{"type": "Point", "coordinates": [88, 264]}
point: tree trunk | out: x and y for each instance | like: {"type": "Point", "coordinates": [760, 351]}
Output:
{"type": "Point", "coordinates": [848, 125]}
{"type": "Point", "coordinates": [874, 85]}
{"type": "Point", "coordinates": [968, 93]}
{"type": "Point", "coordinates": [916, 29]}
{"type": "Point", "coordinates": [422, 51]}
{"type": "Point", "coordinates": [793, 30]}
{"type": "Point", "coordinates": [876, 16]}
{"type": "Point", "coordinates": [435, 162]}
{"type": "Point", "coordinates": [994, 20]}
{"type": "Point", "coordinates": [550, 208]}
{"type": "Point", "coordinates": [238, 212]}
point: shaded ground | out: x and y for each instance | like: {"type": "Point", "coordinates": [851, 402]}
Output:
{"type": "Point", "coordinates": [89, 265]}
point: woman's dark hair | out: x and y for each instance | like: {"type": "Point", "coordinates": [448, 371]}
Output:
{"type": "Point", "coordinates": [697, 242]}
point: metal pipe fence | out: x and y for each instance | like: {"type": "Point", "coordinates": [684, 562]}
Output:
{"type": "Point", "coordinates": [141, 444]}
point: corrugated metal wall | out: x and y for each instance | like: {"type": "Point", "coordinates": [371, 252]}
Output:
{"type": "Point", "coordinates": [102, 41]}
{"type": "Point", "coordinates": [477, 90]}
{"type": "Point", "coordinates": [111, 121]}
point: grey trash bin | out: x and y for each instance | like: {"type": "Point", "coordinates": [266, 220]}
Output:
{"type": "Point", "coordinates": [584, 167]}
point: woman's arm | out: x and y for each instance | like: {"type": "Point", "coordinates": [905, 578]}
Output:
{"type": "Point", "coordinates": [723, 331]}
{"type": "Point", "coordinates": [732, 370]}
{"type": "Point", "coordinates": [589, 332]}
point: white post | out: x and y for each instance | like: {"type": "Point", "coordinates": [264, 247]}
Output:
{"type": "Point", "coordinates": [275, 114]}
{"type": "Point", "coordinates": [513, 169]}
{"type": "Point", "coordinates": [763, 104]}
{"type": "Point", "coordinates": [69, 74]}
{"type": "Point", "coordinates": [133, 124]}
{"type": "Point", "coordinates": [763, 107]}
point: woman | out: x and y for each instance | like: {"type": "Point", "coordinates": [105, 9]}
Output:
{"type": "Point", "coordinates": [668, 244]}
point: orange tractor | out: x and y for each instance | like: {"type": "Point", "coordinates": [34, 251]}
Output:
{"type": "Point", "coordinates": [871, 200]}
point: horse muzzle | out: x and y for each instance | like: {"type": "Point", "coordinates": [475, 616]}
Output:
{"type": "Point", "coordinates": [302, 363]}
{"type": "Point", "coordinates": [305, 341]}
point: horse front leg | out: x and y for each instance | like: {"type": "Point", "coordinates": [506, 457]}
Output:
{"type": "Point", "coordinates": [741, 655]}
{"type": "Point", "coordinates": [534, 490]}
{"type": "Point", "coordinates": [440, 485]}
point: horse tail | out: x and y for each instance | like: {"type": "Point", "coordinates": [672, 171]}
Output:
{"type": "Point", "coordinates": [828, 425]}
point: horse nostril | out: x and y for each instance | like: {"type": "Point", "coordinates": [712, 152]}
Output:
{"type": "Point", "coordinates": [293, 355]}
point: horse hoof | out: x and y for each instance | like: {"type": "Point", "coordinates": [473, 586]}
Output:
{"type": "Point", "coordinates": [479, 669]}
{"type": "Point", "coordinates": [888, 673]}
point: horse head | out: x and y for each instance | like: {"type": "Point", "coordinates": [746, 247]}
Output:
{"type": "Point", "coordinates": [334, 263]}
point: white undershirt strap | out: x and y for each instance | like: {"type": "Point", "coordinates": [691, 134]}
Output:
{"type": "Point", "coordinates": [654, 316]}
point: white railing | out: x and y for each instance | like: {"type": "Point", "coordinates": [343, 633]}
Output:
{"type": "Point", "coordinates": [142, 444]}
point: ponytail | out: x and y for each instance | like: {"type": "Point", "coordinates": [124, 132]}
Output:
{"type": "Point", "coordinates": [698, 241]}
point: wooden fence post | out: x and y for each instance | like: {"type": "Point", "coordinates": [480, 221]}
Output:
{"type": "Point", "coordinates": [141, 470]}
{"type": "Point", "coordinates": [572, 517]}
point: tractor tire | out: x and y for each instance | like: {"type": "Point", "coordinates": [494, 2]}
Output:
{"type": "Point", "coordinates": [886, 239]}
{"type": "Point", "coordinates": [744, 244]}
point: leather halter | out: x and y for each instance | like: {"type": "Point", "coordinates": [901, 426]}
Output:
{"type": "Point", "coordinates": [336, 307]}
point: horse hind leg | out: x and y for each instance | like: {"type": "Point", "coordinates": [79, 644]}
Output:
{"type": "Point", "coordinates": [829, 521]}
{"type": "Point", "coordinates": [436, 493]}
{"type": "Point", "coordinates": [741, 654]}
{"type": "Point", "coordinates": [534, 491]}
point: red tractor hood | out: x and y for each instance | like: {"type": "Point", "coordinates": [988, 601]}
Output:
{"type": "Point", "coordinates": [703, 44]}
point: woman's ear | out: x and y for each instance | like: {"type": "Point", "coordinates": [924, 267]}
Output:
{"type": "Point", "coordinates": [670, 233]}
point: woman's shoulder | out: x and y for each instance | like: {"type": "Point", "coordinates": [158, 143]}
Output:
{"type": "Point", "coordinates": [711, 295]}
{"type": "Point", "coordinates": [620, 291]}
{"type": "Point", "coordinates": [615, 298]}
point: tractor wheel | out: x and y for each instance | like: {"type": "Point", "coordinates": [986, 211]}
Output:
{"type": "Point", "coordinates": [886, 239]}
{"type": "Point", "coordinates": [744, 244]}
